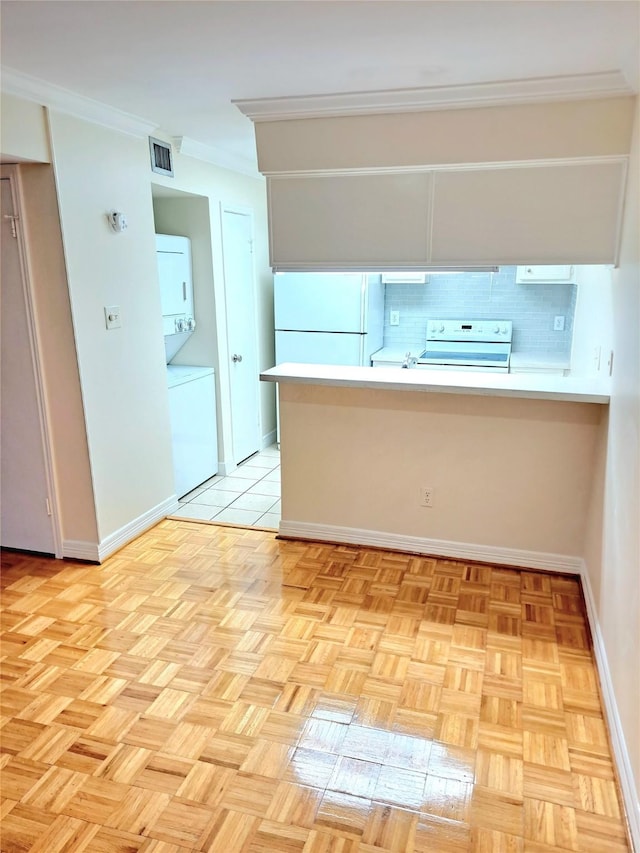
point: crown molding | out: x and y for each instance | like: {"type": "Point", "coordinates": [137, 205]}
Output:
{"type": "Point", "coordinates": [63, 100]}
{"type": "Point", "coordinates": [607, 84]}
{"type": "Point", "coordinates": [214, 155]}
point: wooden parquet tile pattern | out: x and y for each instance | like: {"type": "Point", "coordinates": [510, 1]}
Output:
{"type": "Point", "coordinates": [216, 689]}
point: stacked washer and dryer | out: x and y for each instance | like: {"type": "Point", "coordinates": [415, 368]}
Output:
{"type": "Point", "coordinates": [192, 392]}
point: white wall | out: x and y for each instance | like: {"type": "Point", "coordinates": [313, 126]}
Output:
{"type": "Point", "coordinates": [122, 371]}
{"type": "Point", "coordinates": [592, 339]}
{"type": "Point", "coordinates": [613, 541]}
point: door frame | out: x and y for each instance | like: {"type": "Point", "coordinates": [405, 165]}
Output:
{"type": "Point", "coordinates": [13, 175]}
{"type": "Point", "coordinates": [244, 211]}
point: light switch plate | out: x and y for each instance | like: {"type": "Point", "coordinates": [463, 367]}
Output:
{"type": "Point", "coordinates": [394, 318]}
{"type": "Point", "coordinates": [112, 316]}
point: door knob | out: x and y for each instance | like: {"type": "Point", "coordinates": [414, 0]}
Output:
{"type": "Point", "coordinates": [236, 357]}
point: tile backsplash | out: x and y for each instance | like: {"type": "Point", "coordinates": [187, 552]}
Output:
{"type": "Point", "coordinates": [480, 296]}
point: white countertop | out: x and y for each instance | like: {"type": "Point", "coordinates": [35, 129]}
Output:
{"type": "Point", "coordinates": [544, 361]}
{"type": "Point", "coordinates": [527, 386]}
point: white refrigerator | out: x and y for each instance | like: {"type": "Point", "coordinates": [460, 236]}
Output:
{"type": "Point", "coordinates": [328, 318]}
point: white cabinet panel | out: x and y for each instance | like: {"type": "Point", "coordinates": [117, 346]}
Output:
{"type": "Point", "coordinates": [349, 221]}
{"type": "Point", "coordinates": [546, 213]}
{"type": "Point", "coordinates": [546, 274]}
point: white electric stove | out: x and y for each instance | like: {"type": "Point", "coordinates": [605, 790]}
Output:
{"type": "Point", "coordinates": [467, 345]}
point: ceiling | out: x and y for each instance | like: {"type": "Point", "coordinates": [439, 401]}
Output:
{"type": "Point", "coordinates": [179, 64]}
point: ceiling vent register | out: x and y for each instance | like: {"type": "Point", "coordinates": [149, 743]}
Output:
{"type": "Point", "coordinates": [161, 157]}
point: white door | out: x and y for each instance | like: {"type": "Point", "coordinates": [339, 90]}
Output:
{"type": "Point", "coordinates": [237, 250]}
{"type": "Point", "coordinates": [26, 520]}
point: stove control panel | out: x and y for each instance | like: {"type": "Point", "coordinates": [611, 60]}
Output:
{"type": "Point", "coordinates": [469, 330]}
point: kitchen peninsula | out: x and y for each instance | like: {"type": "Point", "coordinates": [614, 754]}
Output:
{"type": "Point", "coordinates": [509, 460]}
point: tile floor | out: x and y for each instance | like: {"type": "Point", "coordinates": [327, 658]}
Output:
{"type": "Point", "coordinates": [249, 496]}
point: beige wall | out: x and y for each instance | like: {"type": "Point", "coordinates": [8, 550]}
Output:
{"type": "Point", "coordinates": [24, 133]}
{"type": "Point", "coordinates": [505, 473]}
{"type": "Point", "coordinates": [122, 371]}
{"type": "Point", "coordinates": [613, 541]}
{"type": "Point", "coordinates": [58, 354]}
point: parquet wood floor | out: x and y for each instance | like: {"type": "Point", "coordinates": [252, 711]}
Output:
{"type": "Point", "coordinates": [216, 689]}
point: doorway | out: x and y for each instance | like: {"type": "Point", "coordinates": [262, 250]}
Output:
{"type": "Point", "coordinates": [26, 492]}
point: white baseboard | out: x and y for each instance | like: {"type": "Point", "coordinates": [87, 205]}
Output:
{"type": "Point", "coordinates": [432, 547]}
{"type": "Point", "coordinates": [130, 531]}
{"type": "Point", "coordinates": [76, 549]}
{"type": "Point", "coordinates": [618, 743]}
{"type": "Point", "coordinates": [269, 439]}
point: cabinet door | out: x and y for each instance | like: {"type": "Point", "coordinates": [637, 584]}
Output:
{"type": "Point", "coordinates": [349, 221]}
{"type": "Point", "coordinates": [549, 274]}
{"type": "Point", "coordinates": [173, 276]}
{"type": "Point", "coordinates": [174, 273]}
{"type": "Point", "coordinates": [544, 213]}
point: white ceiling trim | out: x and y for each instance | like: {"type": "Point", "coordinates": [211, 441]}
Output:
{"type": "Point", "coordinates": [214, 155]}
{"type": "Point", "coordinates": [63, 100]}
{"type": "Point", "coordinates": [606, 84]}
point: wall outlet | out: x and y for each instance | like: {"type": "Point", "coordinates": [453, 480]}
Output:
{"type": "Point", "coordinates": [426, 496]}
{"type": "Point", "coordinates": [394, 318]}
{"type": "Point", "coordinates": [558, 323]}
{"type": "Point", "coordinates": [596, 358]}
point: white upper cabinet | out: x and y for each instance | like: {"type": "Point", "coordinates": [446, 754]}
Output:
{"type": "Point", "coordinates": [549, 274]}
